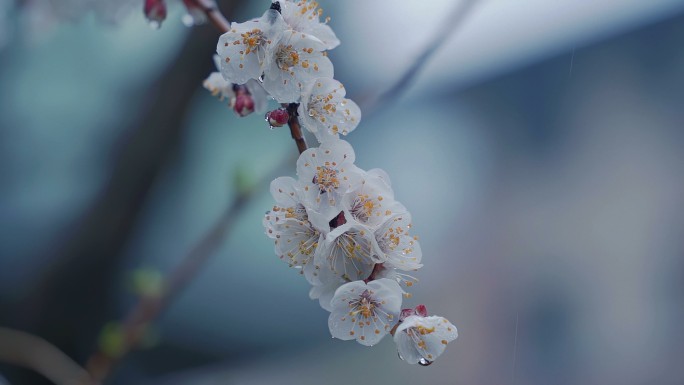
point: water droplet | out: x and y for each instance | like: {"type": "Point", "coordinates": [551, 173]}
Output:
{"type": "Point", "coordinates": [424, 362]}
{"type": "Point", "coordinates": [261, 79]}
{"type": "Point", "coordinates": [188, 20]}
{"type": "Point", "coordinates": [154, 24]}
{"type": "Point", "coordinates": [400, 357]}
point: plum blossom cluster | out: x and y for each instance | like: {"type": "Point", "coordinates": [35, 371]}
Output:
{"type": "Point", "coordinates": [343, 230]}
{"type": "Point", "coordinates": [338, 225]}
{"type": "Point", "coordinates": [283, 55]}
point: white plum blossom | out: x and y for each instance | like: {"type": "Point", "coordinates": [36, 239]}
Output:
{"type": "Point", "coordinates": [422, 339]}
{"type": "Point", "coordinates": [298, 59]}
{"type": "Point", "coordinates": [372, 202]}
{"type": "Point", "coordinates": [395, 246]}
{"type": "Point", "coordinates": [347, 252]}
{"type": "Point", "coordinates": [296, 240]}
{"type": "Point", "coordinates": [325, 111]}
{"type": "Point", "coordinates": [247, 49]}
{"type": "Point", "coordinates": [304, 16]}
{"type": "Point", "coordinates": [217, 85]}
{"type": "Point", "coordinates": [364, 311]}
{"type": "Point", "coordinates": [325, 174]}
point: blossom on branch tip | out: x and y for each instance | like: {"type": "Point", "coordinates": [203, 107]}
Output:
{"type": "Point", "coordinates": [422, 339]}
{"type": "Point", "coordinates": [325, 111]}
{"type": "Point", "coordinates": [364, 311]}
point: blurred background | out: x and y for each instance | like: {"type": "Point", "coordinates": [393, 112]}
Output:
{"type": "Point", "coordinates": [539, 151]}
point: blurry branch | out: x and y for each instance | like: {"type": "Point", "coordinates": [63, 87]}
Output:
{"type": "Point", "coordinates": [28, 351]}
{"type": "Point", "coordinates": [149, 307]}
{"type": "Point", "coordinates": [214, 15]}
{"type": "Point", "coordinates": [453, 21]}
{"type": "Point", "coordinates": [68, 305]}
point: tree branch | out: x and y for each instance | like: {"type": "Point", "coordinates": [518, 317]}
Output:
{"type": "Point", "coordinates": [28, 351]}
{"type": "Point", "coordinates": [452, 22]}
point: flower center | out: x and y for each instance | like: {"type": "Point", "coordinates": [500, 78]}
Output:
{"type": "Point", "coordinates": [423, 330]}
{"type": "Point", "coordinates": [362, 208]}
{"type": "Point", "coordinates": [365, 305]}
{"type": "Point", "coordinates": [326, 179]}
{"type": "Point", "coordinates": [286, 57]}
{"type": "Point", "coordinates": [321, 105]}
{"type": "Point", "coordinates": [252, 39]}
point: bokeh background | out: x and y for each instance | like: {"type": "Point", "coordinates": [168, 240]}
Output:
{"type": "Point", "coordinates": [539, 151]}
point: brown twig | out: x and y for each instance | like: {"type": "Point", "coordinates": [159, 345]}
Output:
{"type": "Point", "coordinates": [213, 14]}
{"type": "Point", "coordinates": [295, 127]}
{"type": "Point", "coordinates": [26, 350]}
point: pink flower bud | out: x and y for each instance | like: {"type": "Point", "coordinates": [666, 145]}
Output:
{"type": "Point", "coordinates": [279, 118]}
{"type": "Point", "coordinates": [405, 313]}
{"type": "Point", "coordinates": [244, 104]}
{"type": "Point", "coordinates": [421, 310]}
{"type": "Point", "coordinates": [155, 11]}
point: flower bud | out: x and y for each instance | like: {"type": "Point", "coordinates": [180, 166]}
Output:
{"type": "Point", "coordinates": [155, 11]}
{"type": "Point", "coordinates": [244, 104]}
{"type": "Point", "coordinates": [278, 117]}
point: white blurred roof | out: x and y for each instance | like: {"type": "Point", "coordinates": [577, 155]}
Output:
{"type": "Point", "coordinates": [497, 34]}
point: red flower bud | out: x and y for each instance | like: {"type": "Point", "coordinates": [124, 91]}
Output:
{"type": "Point", "coordinates": [421, 310]}
{"type": "Point", "coordinates": [155, 11]}
{"type": "Point", "coordinates": [244, 104]}
{"type": "Point", "coordinates": [279, 118]}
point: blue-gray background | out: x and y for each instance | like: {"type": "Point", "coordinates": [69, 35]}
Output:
{"type": "Point", "coordinates": [539, 151]}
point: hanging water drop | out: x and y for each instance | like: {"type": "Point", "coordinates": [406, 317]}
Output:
{"type": "Point", "coordinates": [154, 24]}
{"type": "Point", "coordinates": [188, 20]}
{"type": "Point", "coordinates": [424, 362]}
